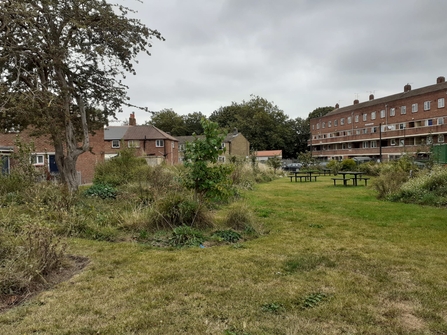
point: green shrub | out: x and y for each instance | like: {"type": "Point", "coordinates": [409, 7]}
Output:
{"type": "Point", "coordinates": [227, 235]}
{"type": "Point", "coordinates": [388, 182]}
{"type": "Point", "coordinates": [186, 236]}
{"type": "Point", "coordinates": [103, 191]}
{"type": "Point", "coordinates": [239, 217]}
{"type": "Point", "coordinates": [177, 209]}
{"type": "Point", "coordinates": [348, 164]}
{"type": "Point", "coordinates": [334, 166]}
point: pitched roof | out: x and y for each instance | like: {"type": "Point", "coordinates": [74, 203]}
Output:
{"type": "Point", "coordinates": [184, 139]}
{"type": "Point", "coordinates": [147, 132]}
{"type": "Point", "coordinates": [390, 98]}
{"type": "Point", "coordinates": [269, 153]}
{"type": "Point", "coordinates": [115, 132]}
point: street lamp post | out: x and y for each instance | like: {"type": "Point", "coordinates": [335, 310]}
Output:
{"type": "Point", "coordinates": [380, 142]}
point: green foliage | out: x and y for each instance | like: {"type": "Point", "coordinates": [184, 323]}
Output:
{"type": "Point", "coordinates": [313, 300]}
{"type": "Point", "coordinates": [348, 164]}
{"type": "Point", "coordinates": [27, 257]}
{"type": "Point", "coordinates": [119, 170]}
{"type": "Point", "coordinates": [274, 162]}
{"type": "Point", "coordinates": [428, 188]}
{"type": "Point", "coordinates": [177, 125]}
{"type": "Point", "coordinates": [239, 217]}
{"type": "Point", "coordinates": [334, 166]}
{"type": "Point", "coordinates": [306, 159]}
{"type": "Point", "coordinates": [272, 307]}
{"type": "Point", "coordinates": [306, 263]}
{"type": "Point", "coordinates": [177, 209]}
{"type": "Point", "coordinates": [186, 236]}
{"type": "Point", "coordinates": [208, 179]}
{"type": "Point", "coordinates": [102, 191]}
{"type": "Point", "coordinates": [227, 235]}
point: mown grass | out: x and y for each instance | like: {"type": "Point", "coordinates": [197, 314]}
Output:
{"type": "Point", "coordinates": [334, 260]}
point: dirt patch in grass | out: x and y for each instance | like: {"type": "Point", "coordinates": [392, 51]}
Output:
{"type": "Point", "coordinates": [72, 266]}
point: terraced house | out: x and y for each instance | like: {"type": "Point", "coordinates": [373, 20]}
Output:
{"type": "Point", "coordinates": [408, 122]}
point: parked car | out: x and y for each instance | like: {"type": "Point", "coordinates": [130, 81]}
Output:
{"type": "Point", "coordinates": [293, 167]}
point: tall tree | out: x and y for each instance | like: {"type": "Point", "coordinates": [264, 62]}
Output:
{"type": "Point", "coordinates": [169, 121]}
{"type": "Point", "coordinates": [320, 111]}
{"type": "Point", "coordinates": [60, 69]}
{"type": "Point", "coordinates": [193, 123]}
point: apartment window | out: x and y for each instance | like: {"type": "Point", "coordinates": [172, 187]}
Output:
{"type": "Point", "coordinates": [440, 120]}
{"type": "Point", "coordinates": [382, 113]}
{"type": "Point", "coordinates": [373, 130]}
{"type": "Point", "coordinates": [342, 121]}
{"type": "Point", "coordinates": [393, 141]}
{"type": "Point", "coordinates": [357, 131]}
{"type": "Point", "coordinates": [349, 120]}
{"type": "Point", "coordinates": [441, 103]}
{"type": "Point", "coordinates": [401, 125]}
{"type": "Point", "coordinates": [349, 145]}
{"type": "Point", "coordinates": [373, 144]}
{"type": "Point", "coordinates": [348, 133]}
{"type": "Point", "coordinates": [441, 138]}
{"type": "Point", "coordinates": [115, 143]}
{"type": "Point", "coordinates": [365, 144]}
{"type": "Point", "coordinates": [335, 123]}
{"type": "Point", "coordinates": [401, 142]}
{"type": "Point", "coordinates": [426, 105]}
{"type": "Point", "coordinates": [323, 125]}
{"type": "Point", "coordinates": [37, 159]}
{"type": "Point", "coordinates": [318, 126]}
{"type": "Point", "coordinates": [373, 115]}
{"type": "Point", "coordinates": [414, 108]}
{"type": "Point", "coordinates": [356, 118]}
{"type": "Point", "coordinates": [392, 111]}
{"type": "Point", "coordinates": [429, 139]}
{"type": "Point", "coordinates": [364, 131]}
{"type": "Point", "coordinates": [329, 124]}
{"type": "Point", "coordinates": [343, 146]}
{"type": "Point", "coordinates": [429, 122]}
{"type": "Point", "coordinates": [160, 143]}
{"type": "Point", "coordinates": [365, 116]}
{"type": "Point", "coordinates": [403, 110]}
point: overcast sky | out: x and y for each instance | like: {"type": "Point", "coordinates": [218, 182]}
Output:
{"type": "Point", "coordinates": [300, 54]}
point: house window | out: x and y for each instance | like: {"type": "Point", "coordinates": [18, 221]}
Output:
{"type": "Point", "coordinates": [323, 125]}
{"type": "Point", "coordinates": [403, 110]}
{"type": "Point", "coordinates": [318, 126]}
{"type": "Point", "coordinates": [414, 108]}
{"type": "Point", "coordinates": [364, 117]}
{"type": "Point", "coordinates": [441, 103]}
{"type": "Point", "coordinates": [115, 143]}
{"type": "Point", "coordinates": [181, 147]}
{"type": "Point", "coordinates": [373, 144]}
{"type": "Point", "coordinates": [172, 145]}
{"type": "Point", "coordinates": [37, 159]}
{"type": "Point", "coordinates": [365, 145]}
{"type": "Point", "coordinates": [440, 120]}
{"type": "Point", "coordinates": [335, 123]}
{"type": "Point", "coordinates": [329, 124]}
{"type": "Point", "coordinates": [313, 127]}
{"type": "Point", "coordinates": [160, 143]}
{"type": "Point", "coordinates": [441, 138]}
{"type": "Point", "coordinates": [392, 111]}
{"type": "Point", "coordinates": [342, 121]}
{"type": "Point", "coordinates": [133, 144]}
{"type": "Point", "coordinates": [426, 105]}
{"type": "Point", "coordinates": [356, 118]}
{"type": "Point", "coordinates": [349, 120]}
{"type": "Point", "coordinates": [373, 115]}
{"type": "Point", "coordinates": [382, 113]}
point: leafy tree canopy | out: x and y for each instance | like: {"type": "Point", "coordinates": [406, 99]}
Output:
{"type": "Point", "coordinates": [320, 111]}
{"type": "Point", "coordinates": [177, 125]}
{"type": "Point", "coordinates": [60, 69]}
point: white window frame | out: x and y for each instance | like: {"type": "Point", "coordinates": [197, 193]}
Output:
{"type": "Point", "coordinates": [335, 123]}
{"type": "Point", "coordinates": [172, 145]}
{"type": "Point", "coordinates": [365, 116]}
{"type": "Point", "coordinates": [373, 115]}
{"type": "Point", "coordinates": [414, 108]}
{"type": "Point", "coordinates": [426, 105]}
{"type": "Point", "coordinates": [365, 144]}
{"type": "Point", "coordinates": [349, 120]}
{"type": "Point", "coordinates": [37, 159]}
{"type": "Point", "coordinates": [403, 109]}
{"type": "Point", "coordinates": [392, 141]}
{"type": "Point", "coordinates": [114, 145]}
{"type": "Point", "coordinates": [342, 121]}
{"type": "Point", "coordinates": [441, 103]}
{"type": "Point", "coordinates": [323, 125]}
{"type": "Point", "coordinates": [373, 144]}
{"type": "Point", "coordinates": [429, 139]}
{"type": "Point", "coordinates": [356, 118]}
{"type": "Point", "coordinates": [159, 143]}
{"type": "Point", "coordinates": [357, 131]}
{"type": "Point", "coordinates": [440, 121]}
{"type": "Point", "coordinates": [365, 131]}
{"type": "Point", "coordinates": [441, 138]}
{"type": "Point", "coordinates": [329, 124]}
{"type": "Point", "coordinates": [392, 111]}
{"type": "Point", "coordinates": [401, 142]}
{"type": "Point", "coordinates": [382, 114]}
{"type": "Point", "coordinates": [401, 125]}
{"type": "Point", "coordinates": [318, 126]}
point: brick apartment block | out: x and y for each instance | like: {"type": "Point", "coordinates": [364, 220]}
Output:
{"type": "Point", "coordinates": [388, 127]}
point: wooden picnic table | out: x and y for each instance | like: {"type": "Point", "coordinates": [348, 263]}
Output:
{"type": "Point", "coordinates": [304, 175]}
{"type": "Point", "coordinates": [356, 176]}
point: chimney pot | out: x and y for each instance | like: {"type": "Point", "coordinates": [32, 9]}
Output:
{"type": "Point", "coordinates": [440, 80]}
{"type": "Point", "coordinates": [356, 101]}
{"type": "Point", "coordinates": [337, 106]}
{"type": "Point", "coordinates": [371, 97]}
{"type": "Point", "coordinates": [132, 120]}
{"type": "Point", "coordinates": [407, 88]}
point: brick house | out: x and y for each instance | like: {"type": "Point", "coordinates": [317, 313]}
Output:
{"type": "Point", "coordinates": [155, 145]}
{"type": "Point", "coordinates": [263, 156]}
{"type": "Point", "coordinates": [235, 145]}
{"type": "Point", "coordinates": [384, 128]}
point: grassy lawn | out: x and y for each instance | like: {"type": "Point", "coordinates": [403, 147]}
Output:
{"type": "Point", "coordinates": [334, 260]}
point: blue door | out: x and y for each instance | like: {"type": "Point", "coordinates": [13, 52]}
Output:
{"type": "Point", "coordinates": [52, 164]}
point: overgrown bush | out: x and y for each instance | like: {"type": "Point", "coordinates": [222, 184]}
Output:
{"type": "Point", "coordinates": [348, 164]}
{"type": "Point", "coordinates": [370, 168]}
{"type": "Point", "coordinates": [103, 191]}
{"type": "Point", "coordinates": [239, 217]}
{"type": "Point", "coordinates": [179, 209]}
{"type": "Point", "coordinates": [228, 235]}
{"type": "Point", "coordinates": [27, 258]}
{"type": "Point", "coordinates": [334, 166]}
{"type": "Point", "coordinates": [119, 170]}
{"type": "Point", "coordinates": [428, 188]}
{"type": "Point", "coordinates": [186, 236]}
